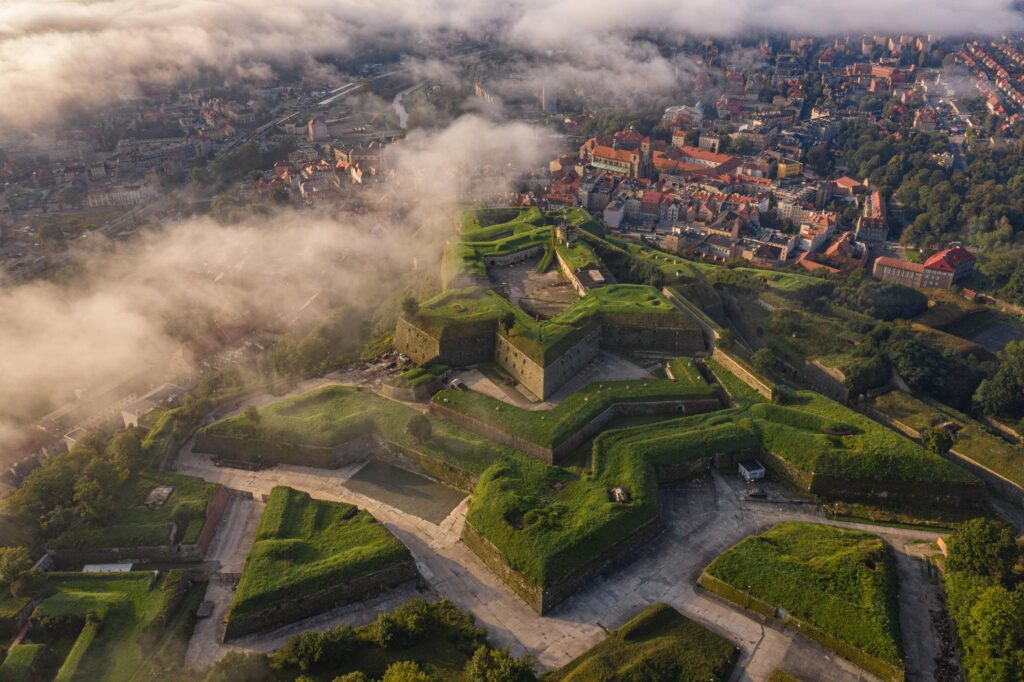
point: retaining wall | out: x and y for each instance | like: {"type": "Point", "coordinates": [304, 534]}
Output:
{"type": "Point", "coordinates": [411, 395]}
{"type": "Point", "coordinates": [259, 451]}
{"type": "Point", "coordinates": [357, 589]}
{"type": "Point", "coordinates": [543, 600]}
{"type": "Point", "coordinates": [214, 512]}
{"type": "Point", "coordinates": [743, 374]}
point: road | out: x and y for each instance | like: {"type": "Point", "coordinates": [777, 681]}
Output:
{"type": "Point", "coordinates": [700, 520]}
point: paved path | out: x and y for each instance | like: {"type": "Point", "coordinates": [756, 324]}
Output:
{"type": "Point", "coordinates": [700, 519]}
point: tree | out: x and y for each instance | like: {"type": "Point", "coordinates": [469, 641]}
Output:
{"type": "Point", "coordinates": [937, 440]}
{"type": "Point", "coordinates": [385, 630]}
{"type": "Point", "coordinates": [125, 450]}
{"type": "Point", "coordinates": [410, 306]}
{"type": "Point", "coordinates": [419, 428]}
{"type": "Point", "coordinates": [984, 547]}
{"type": "Point", "coordinates": [1003, 393]}
{"type": "Point", "coordinates": [764, 360]}
{"type": "Point", "coordinates": [92, 500]}
{"type": "Point", "coordinates": [252, 414]}
{"type": "Point", "coordinates": [497, 665]}
{"type": "Point", "coordinates": [508, 320]}
{"type": "Point", "coordinates": [997, 619]}
{"type": "Point", "coordinates": [726, 339]}
{"type": "Point", "coordinates": [240, 667]}
{"type": "Point", "coordinates": [354, 676]}
{"type": "Point", "coordinates": [14, 562]}
{"type": "Point", "coordinates": [405, 671]}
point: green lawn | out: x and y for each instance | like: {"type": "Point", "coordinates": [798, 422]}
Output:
{"type": "Point", "coordinates": [841, 582]}
{"type": "Point", "coordinates": [136, 525]}
{"type": "Point", "coordinates": [549, 428]}
{"type": "Point", "coordinates": [657, 644]}
{"type": "Point", "coordinates": [972, 439]}
{"type": "Point", "coordinates": [304, 545]}
{"type": "Point", "coordinates": [110, 644]}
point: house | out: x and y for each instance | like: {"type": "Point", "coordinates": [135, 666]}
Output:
{"type": "Point", "coordinates": [873, 224]}
{"type": "Point", "coordinates": [317, 129]}
{"type": "Point", "coordinates": [957, 260]}
{"type": "Point", "coordinates": [848, 187]}
{"type": "Point", "coordinates": [939, 271]}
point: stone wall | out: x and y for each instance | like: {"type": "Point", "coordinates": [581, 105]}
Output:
{"type": "Point", "coordinates": [415, 343]}
{"type": "Point", "coordinates": [214, 513]}
{"type": "Point", "coordinates": [543, 600]}
{"type": "Point", "coordinates": [571, 362]}
{"type": "Point", "coordinates": [681, 340]}
{"type": "Point", "coordinates": [495, 561]}
{"type": "Point", "coordinates": [514, 361]}
{"type": "Point", "coordinates": [513, 258]}
{"type": "Point", "coordinates": [570, 275]}
{"type": "Point", "coordinates": [471, 349]}
{"type": "Point", "coordinates": [825, 380]}
{"type": "Point", "coordinates": [410, 395]}
{"type": "Point", "coordinates": [357, 589]}
{"type": "Point", "coordinates": [491, 432]}
{"type": "Point", "coordinates": [743, 374]}
{"type": "Point", "coordinates": [258, 451]}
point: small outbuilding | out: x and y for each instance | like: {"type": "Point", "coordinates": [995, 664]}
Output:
{"type": "Point", "coordinates": [751, 470]}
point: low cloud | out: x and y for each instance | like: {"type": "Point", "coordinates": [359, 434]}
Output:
{"type": "Point", "coordinates": [56, 53]}
{"type": "Point", "coordinates": [116, 315]}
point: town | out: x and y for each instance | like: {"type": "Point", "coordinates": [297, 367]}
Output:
{"type": "Point", "coordinates": [430, 363]}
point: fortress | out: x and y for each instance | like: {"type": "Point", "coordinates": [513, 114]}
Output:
{"type": "Point", "coordinates": [471, 325]}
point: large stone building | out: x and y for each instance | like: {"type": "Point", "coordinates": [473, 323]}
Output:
{"type": "Point", "coordinates": [939, 271]}
{"type": "Point", "coordinates": [873, 224]}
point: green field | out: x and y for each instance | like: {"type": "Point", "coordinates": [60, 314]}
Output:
{"type": "Point", "coordinates": [304, 545]}
{"type": "Point", "coordinates": [657, 644]}
{"type": "Point", "coordinates": [136, 525]}
{"type": "Point", "coordinates": [840, 582]}
{"type": "Point", "coordinates": [549, 428]}
{"type": "Point", "coordinates": [110, 617]}
{"type": "Point", "coordinates": [972, 439]}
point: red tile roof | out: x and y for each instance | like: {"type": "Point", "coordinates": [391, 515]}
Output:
{"type": "Point", "coordinates": [949, 259]}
